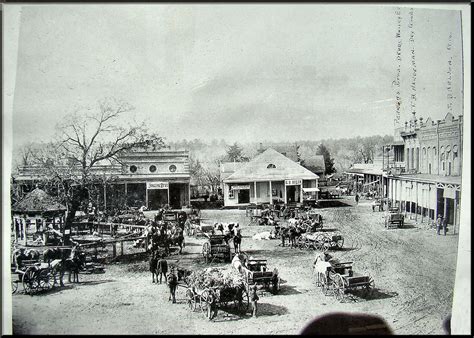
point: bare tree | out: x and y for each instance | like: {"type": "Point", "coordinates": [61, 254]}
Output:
{"type": "Point", "coordinates": [87, 138]}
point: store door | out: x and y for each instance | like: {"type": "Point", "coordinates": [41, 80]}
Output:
{"type": "Point", "coordinates": [243, 196]}
{"type": "Point", "coordinates": [157, 198]}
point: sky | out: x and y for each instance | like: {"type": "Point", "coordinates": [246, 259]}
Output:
{"type": "Point", "coordinates": [237, 72]}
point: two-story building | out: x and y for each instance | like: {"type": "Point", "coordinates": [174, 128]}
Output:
{"type": "Point", "coordinates": [427, 180]}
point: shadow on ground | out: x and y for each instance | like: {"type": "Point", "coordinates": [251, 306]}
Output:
{"type": "Point", "coordinates": [374, 294]}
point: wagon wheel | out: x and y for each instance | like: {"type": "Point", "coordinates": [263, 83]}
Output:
{"type": "Point", "coordinates": [203, 300]}
{"type": "Point", "coordinates": [243, 304]}
{"type": "Point", "coordinates": [301, 242]}
{"type": "Point", "coordinates": [190, 299]}
{"type": "Point", "coordinates": [338, 287]}
{"type": "Point", "coordinates": [308, 244]}
{"type": "Point", "coordinates": [326, 244]}
{"type": "Point", "coordinates": [318, 242]}
{"type": "Point", "coordinates": [206, 251]}
{"type": "Point", "coordinates": [29, 281]}
{"type": "Point", "coordinates": [369, 288]}
{"type": "Point", "coordinates": [46, 279]}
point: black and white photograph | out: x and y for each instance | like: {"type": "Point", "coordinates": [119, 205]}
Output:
{"type": "Point", "coordinates": [229, 169]}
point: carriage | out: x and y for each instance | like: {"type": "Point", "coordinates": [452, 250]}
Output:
{"type": "Point", "coordinates": [237, 296]}
{"type": "Point", "coordinates": [216, 247]}
{"type": "Point", "coordinates": [394, 218]}
{"type": "Point", "coordinates": [338, 278]}
{"type": "Point", "coordinates": [34, 277]}
{"type": "Point", "coordinates": [256, 272]}
{"type": "Point", "coordinates": [320, 241]}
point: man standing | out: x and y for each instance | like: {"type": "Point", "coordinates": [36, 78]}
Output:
{"type": "Point", "coordinates": [439, 222]}
{"type": "Point", "coordinates": [445, 225]}
{"type": "Point", "coordinates": [162, 268]}
{"type": "Point", "coordinates": [254, 298]}
{"type": "Point", "coordinates": [212, 306]}
{"type": "Point", "coordinates": [357, 198]}
{"type": "Point", "coordinates": [172, 283]}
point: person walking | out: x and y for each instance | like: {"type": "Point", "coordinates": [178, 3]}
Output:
{"type": "Point", "coordinates": [162, 268]}
{"type": "Point", "coordinates": [212, 306]}
{"type": "Point", "coordinates": [445, 225]}
{"type": "Point", "coordinates": [254, 299]}
{"type": "Point", "coordinates": [357, 198]}
{"type": "Point", "coordinates": [439, 222]}
{"type": "Point", "coordinates": [172, 284]}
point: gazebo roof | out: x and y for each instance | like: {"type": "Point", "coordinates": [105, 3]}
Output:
{"type": "Point", "coordinates": [38, 201]}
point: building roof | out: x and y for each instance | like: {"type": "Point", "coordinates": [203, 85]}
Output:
{"type": "Point", "coordinates": [256, 169]}
{"type": "Point", "coordinates": [38, 201]}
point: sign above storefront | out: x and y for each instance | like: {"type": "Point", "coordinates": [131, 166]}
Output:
{"type": "Point", "coordinates": [240, 187]}
{"type": "Point", "coordinates": [293, 182]}
{"type": "Point", "coordinates": [157, 185]}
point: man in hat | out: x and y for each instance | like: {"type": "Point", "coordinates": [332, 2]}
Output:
{"type": "Point", "coordinates": [445, 225]}
{"type": "Point", "coordinates": [439, 222]}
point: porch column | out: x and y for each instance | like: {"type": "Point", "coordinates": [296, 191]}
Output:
{"type": "Point", "coordinates": [271, 195]}
{"type": "Point", "coordinates": [146, 198]}
{"type": "Point", "coordinates": [455, 213]}
{"type": "Point", "coordinates": [126, 195]}
{"type": "Point", "coordinates": [168, 191]}
{"type": "Point", "coordinates": [445, 207]}
{"type": "Point", "coordinates": [301, 192]}
{"type": "Point", "coordinates": [416, 205]}
{"type": "Point", "coordinates": [284, 192]}
{"type": "Point", "coordinates": [436, 203]}
{"type": "Point", "coordinates": [105, 196]}
{"type": "Point", "coordinates": [255, 191]}
{"type": "Point", "coordinates": [422, 204]}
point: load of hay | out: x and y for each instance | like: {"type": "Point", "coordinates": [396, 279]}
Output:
{"type": "Point", "coordinates": [222, 278]}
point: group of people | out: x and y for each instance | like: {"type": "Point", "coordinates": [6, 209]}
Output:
{"type": "Point", "coordinates": [441, 223]}
{"type": "Point", "coordinates": [232, 232]}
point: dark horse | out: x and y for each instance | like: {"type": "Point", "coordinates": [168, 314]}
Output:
{"type": "Point", "coordinates": [65, 261]}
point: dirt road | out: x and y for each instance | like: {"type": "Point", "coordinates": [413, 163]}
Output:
{"type": "Point", "coordinates": [413, 269]}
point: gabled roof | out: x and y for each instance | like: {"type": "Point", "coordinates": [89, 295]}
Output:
{"type": "Point", "coordinates": [38, 201]}
{"type": "Point", "coordinates": [256, 169]}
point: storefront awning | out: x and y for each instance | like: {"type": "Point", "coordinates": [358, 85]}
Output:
{"type": "Point", "coordinates": [310, 189]}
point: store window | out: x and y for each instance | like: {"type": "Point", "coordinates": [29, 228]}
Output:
{"type": "Point", "coordinates": [133, 168]}
{"type": "Point", "coordinates": [231, 193]}
{"type": "Point", "coordinates": [271, 166]}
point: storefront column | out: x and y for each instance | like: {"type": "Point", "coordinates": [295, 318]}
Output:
{"type": "Point", "coordinates": [255, 191]}
{"type": "Point", "coordinates": [416, 205]}
{"type": "Point", "coordinates": [146, 198]}
{"type": "Point", "coordinates": [126, 195]}
{"type": "Point", "coordinates": [436, 204]}
{"type": "Point", "coordinates": [284, 191]}
{"type": "Point", "coordinates": [168, 191]}
{"type": "Point", "coordinates": [301, 192]}
{"type": "Point", "coordinates": [271, 197]}
{"type": "Point", "coordinates": [445, 211]}
{"type": "Point", "coordinates": [105, 196]}
{"type": "Point", "coordinates": [455, 213]}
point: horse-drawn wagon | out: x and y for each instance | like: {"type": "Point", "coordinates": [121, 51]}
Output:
{"type": "Point", "coordinates": [337, 278]}
{"type": "Point", "coordinates": [394, 218]}
{"type": "Point", "coordinates": [223, 288]}
{"type": "Point", "coordinates": [320, 241]}
{"type": "Point", "coordinates": [216, 247]}
{"type": "Point", "coordinates": [256, 272]}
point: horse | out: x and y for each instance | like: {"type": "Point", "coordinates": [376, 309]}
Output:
{"type": "Point", "coordinates": [177, 237]}
{"type": "Point", "coordinates": [153, 265]}
{"type": "Point", "coordinates": [71, 264]}
{"type": "Point", "coordinates": [51, 254]}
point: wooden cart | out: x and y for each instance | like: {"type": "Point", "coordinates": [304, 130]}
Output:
{"type": "Point", "coordinates": [338, 278]}
{"type": "Point", "coordinates": [321, 241]}
{"type": "Point", "coordinates": [256, 272]}
{"type": "Point", "coordinates": [216, 247]}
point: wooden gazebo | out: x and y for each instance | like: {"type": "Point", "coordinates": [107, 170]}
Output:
{"type": "Point", "coordinates": [36, 215]}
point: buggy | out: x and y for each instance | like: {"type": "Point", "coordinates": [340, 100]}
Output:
{"type": "Point", "coordinates": [256, 273]}
{"type": "Point", "coordinates": [216, 247]}
{"type": "Point", "coordinates": [320, 241]}
{"type": "Point", "coordinates": [338, 278]}
{"type": "Point", "coordinates": [394, 218]}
